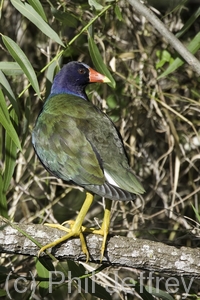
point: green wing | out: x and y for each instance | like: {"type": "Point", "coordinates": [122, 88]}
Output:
{"type": "Point", "coordinates": [61, 145]}
{"type": "Point", "coordinates": [108, 145]}
{"type": "Point", "coordinates": [77, 142]}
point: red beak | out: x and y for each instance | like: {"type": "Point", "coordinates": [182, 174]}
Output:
{"type": "Point", "coordinates": [94, 76]}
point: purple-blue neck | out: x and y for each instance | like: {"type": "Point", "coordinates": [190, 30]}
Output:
{"type": "Point", "coordinates": [72, 90]}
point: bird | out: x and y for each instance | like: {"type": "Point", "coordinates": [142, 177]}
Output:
{"type": "Point", "coordinates": [78, 143]}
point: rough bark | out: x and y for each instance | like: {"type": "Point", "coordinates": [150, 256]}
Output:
{"type": "Point", "coordinates": [121, 251]}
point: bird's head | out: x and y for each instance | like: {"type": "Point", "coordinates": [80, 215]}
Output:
{"type": "Point", "coordinates": [73, 78]}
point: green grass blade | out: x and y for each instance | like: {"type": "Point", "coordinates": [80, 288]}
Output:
{"type": "Point", "coordinates": [98, 61]}
{"type": "Point", "coordinates": [43, 273]}
{"type": "Point", "coordinates": [65, 18]}
{"type": "Point", "coordinates": [37, 6]}
{"type": "Point", "coordinates": [118, 13]}
{"type": "Point", "coordinates": [3, 200]}
{"type": "Point", "coordinates": [8, 92]}
{"type": "Point", "coordinates": [193, 46]}
{"type": "Point", "coordinates": [189, 22]}
{"type": "Point", "coordinates": [10, 68]}
{"type": "Point", "coordinates": [6, 122]}
{"type": "Point", "coordinates": [96, 5]}
{"type": "Point", "coordinates": [196, 213]}
{"type": "Point", "coordinates": [26, 10]}
{"type": "Point", "coordinates": [50, 73]}
{"type": "Point", "coordinates": [10, 156]}
{"type": "Point", "coordinates": [19, 56]}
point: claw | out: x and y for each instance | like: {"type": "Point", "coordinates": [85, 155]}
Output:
{"type": "Point", "coordinates": [76, 228]}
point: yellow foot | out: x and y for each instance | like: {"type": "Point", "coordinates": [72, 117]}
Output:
{"type": "Point", "coordinates": [73, 231]}
{"type": "Point", "coordinates": [102, 231]}
{"type": "Point", "coordinates": [76, 229]}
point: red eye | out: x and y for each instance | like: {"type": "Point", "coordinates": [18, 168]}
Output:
{"type": "Point", "coordinates": [81, 71]}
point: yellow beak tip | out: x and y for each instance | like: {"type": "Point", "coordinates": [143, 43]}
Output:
{"type": "Point", "coordinates": [106, 80]}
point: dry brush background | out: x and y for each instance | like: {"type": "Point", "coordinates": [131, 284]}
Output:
{"type": "Point", "coordinates": [157, 118]}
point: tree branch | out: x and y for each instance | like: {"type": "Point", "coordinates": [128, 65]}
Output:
{"type": "Point", "coordinates": [170, 37]}
{"type": "Point", "coordinates": [121, 251]}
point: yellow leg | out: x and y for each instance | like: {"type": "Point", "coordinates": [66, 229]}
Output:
{"type": "Point", "coordinates": [106, 225]}
{"type": "Point", "coordinates": [104, 230]}
{"type": "Point", "coordinates": [75, 230]}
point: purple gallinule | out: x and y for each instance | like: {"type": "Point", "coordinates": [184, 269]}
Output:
{"type": "Point", "coordinates": [77, 142]}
